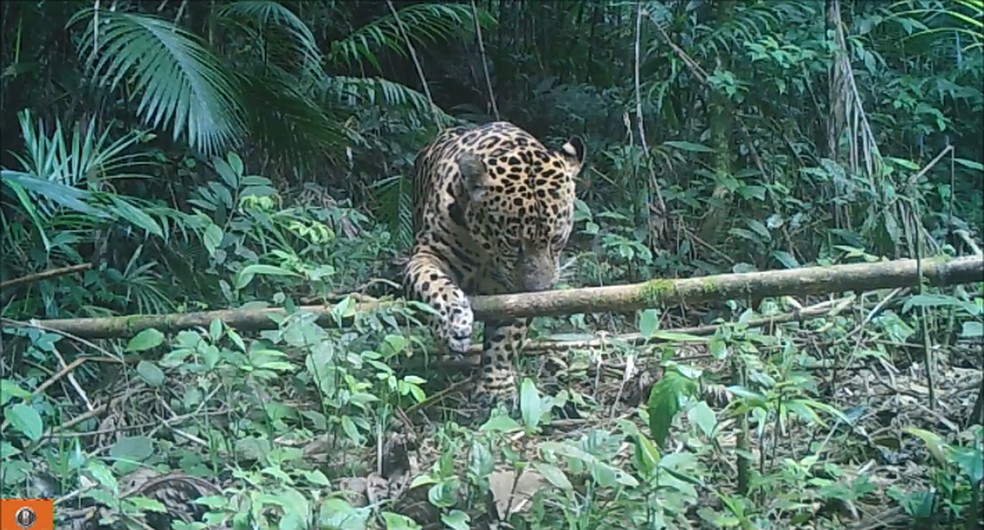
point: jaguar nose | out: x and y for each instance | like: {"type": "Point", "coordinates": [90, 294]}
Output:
{"type": "Point", "coordinates": [536, 274]}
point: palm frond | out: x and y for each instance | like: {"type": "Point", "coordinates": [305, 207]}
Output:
{"type": "Point", "coordinates": [290, 124]}
{"type": "Point", "coordinates": [181, 84]}
{"type": "Point", "coordinates": [361, 91]}
{"type": "Point", "coordinates": [424, 23]}
{"type": "Point", "coordinates": [395, 209]}
{"type": "Point", "coordinates": [967, 15]}
{"type": "Point", "coordinates": [79, 160]}
{"type": "Point", "coordinates": [268, 15]}
{"type": "Point", "coordinates": [25, 184]}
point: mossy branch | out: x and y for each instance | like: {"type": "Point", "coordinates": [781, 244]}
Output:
{"type": "Point", "coordinates": [623, 298]}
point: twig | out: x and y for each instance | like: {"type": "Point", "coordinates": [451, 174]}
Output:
{"type": "Point", "coordinates": [67, 369]}
{"type": "Point", "coordinates": [814, 311]}
{"type": "Point", "coordinates": [413, 53]}
{"type": "Point", "coordinates": [485, 63]}
{"type": "Point", "coordinates": [928, 354]}
{"type": "Point", "coordinates": [45, 275]}
{"type": "Point", "coordinates": [962, 234]}
{"type": "Point", "coordinates": [660, 206]}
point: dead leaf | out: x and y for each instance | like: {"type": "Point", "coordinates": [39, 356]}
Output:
{"type": "Point", "coordinates": [508, 500]}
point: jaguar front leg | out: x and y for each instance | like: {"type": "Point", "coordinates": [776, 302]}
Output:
{"type": "Point", "coordinates": [428, 281]}
{"type": "Point", "coordinates": [504, 340]}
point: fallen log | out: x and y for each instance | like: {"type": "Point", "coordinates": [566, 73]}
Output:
{"type": "Point", "coordinates": [938, 271]}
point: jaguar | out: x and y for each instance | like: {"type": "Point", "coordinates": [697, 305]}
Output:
{"type": "Point", "coordinates": [492, 210]}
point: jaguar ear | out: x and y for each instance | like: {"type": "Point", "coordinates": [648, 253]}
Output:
{"type": "Point", "coordinates": [575, 148]}
{"type": "Point", "coordinates": [474, 176]}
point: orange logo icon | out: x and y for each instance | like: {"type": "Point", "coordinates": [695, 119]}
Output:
{"type": "Point", "coordinates": [27, 514]}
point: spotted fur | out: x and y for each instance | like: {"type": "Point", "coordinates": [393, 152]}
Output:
{"type": "Point", "coordinates": [492, 210]}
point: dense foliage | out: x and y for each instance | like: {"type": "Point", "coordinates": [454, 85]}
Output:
{"type": "Point", "coordinates": [164, 157]}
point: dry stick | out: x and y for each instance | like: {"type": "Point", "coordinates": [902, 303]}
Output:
{"type": "Point", "coordinates": [67, 369]}
{"type": "Point", "coordinates": [927, 342]}
{"type": "Point", "coordinates": [818, 310]}
{"type": "Point", "coordinates": [965, 236]}
{"type": "Point", "coordinates": [653, 182]}
{"type": "Point", "coordinates": [621, 298]}
{"type": "Point", "coordinates": [45, 275]}
{"type": "Point", "coordinates": [485, 63]}
{"type": "Point", "coordinates": [413, 53]}
{"type": "Point", "coordinates": [928, 356]}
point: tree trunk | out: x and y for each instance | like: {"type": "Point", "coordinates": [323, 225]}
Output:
{"type": "Point", "coordinates": [722, 133]}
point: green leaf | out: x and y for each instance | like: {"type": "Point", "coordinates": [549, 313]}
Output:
{"type": "Point", "coordinates": [246, 274]}
{"type": "Point", "coordinates": [929, 300]}
{"type": "Point", "coordinates": [971, 330]}
{"type": "Point", "coordinates": [704, 417]}
{"type": "Point", "coordinates": [28, 206]}
{"type": "Point", "coordinates": [456, 520]}
{"type": "Point", "coordinates": [279, 21]}
{"type": "Point", "coordinates": [424, 24]}
{"type": "Point", "coordinates": [212, 239]}
{"type": "Point", "coordinates": [759, 229]}
{"type": "Point", "coordinates": [10, 390]}
{"type": "Point", "coordinates": [907, 164]}
{"type": "Point", "coordinates": [554, 475]}
{"type": "Point", "coordinates": [66, 196]}
{"type": "Point", "coordinates": [145, 340]}
{"type": "Point", "coordinates": [215, 329]}
{"type": "Point", "coordinates": [664, 402]}
{"type": "Point", "coordinates": [689, 146]}
{"type": "Point", "coordinates": [134, 215]}
{"type": "Point", "coordinates": [529, 403]}
{"type": "Point", "coordinates": [970, 461]}
{"type": "Point", "coordinates": [145, 504]}
{"type": "Point", "coordinates": [933, 442]}
{"type": "Point", "coordinates": [351, 430]}
{"type": "Point", "coordinates": [103, 475]}
{"type": "Point", "coordinates": [395, 521]}
{"type": "Point", "coordinates": [8, 451]}
{"type": "Point", "coordinates": [150, 373]}
{"type": "Point", "coordinates": [969, 164]}
{"type": "Point", "coordinates": [500, 423]}
{"type": "Point", "coordinates": [25, 419]}
{"type": "Point", "coordinates": [677, 336]}
{"type": "Point", "coordinates": [786, 259]}
{"type": "Point", "coordinates": [237, 166]}
{"type": "Point", "coordinates": [648, 322]}
{"type": "Point", "coordinates": [316, 477]}
{"type": "Point", "coordinates": [646, 455]}
{"type": "Point", "coordinates": [228, 175]}
{"type": "Point", "coordinates": [136, 448]}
